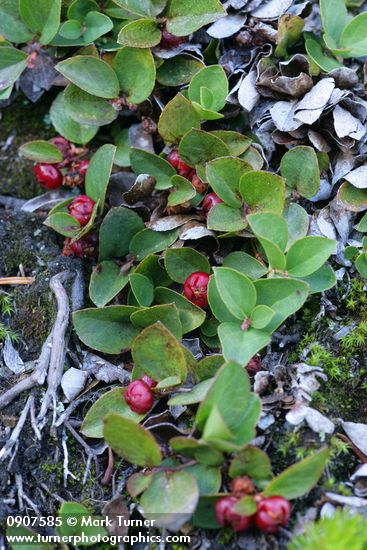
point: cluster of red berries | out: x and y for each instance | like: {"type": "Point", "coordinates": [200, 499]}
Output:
{"type": "Point", "coordinates": [186, 171]}
{"type": "Point", "coordinates": [271, 512]}
{"type": "Point", "coordinates": [139, 395]}
{"type": "Point", "coordinates": [84, 247]}
{"type": "Point", "coordinates": [70, 171]}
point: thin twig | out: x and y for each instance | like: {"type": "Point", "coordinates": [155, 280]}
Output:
{"type": "Point", "coordinates": [66, 459]}
{"type": "Point", "coordinates": [109, 470]}
{"type": "Point", "coordinates": [6, 450]}
{"type": "Point", "coordinates": [17, 280]}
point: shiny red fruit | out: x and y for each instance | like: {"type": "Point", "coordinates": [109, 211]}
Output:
{"type": "Point", "coordinates": [196, 288]}
{"type": "Point", "coordinates": [48, 176]}
{"type": "Point", "coordinates": [254, 365]}
{"type": "Point", "coordinates": [81, 209]}
{"type": "Point", "coordinates": [170, 41]}
{"type": "Point", "coordinates": [225, 514]}
{"type": "Point", "coordinates": [62, 144]}
{"type": "Point", "coordinates": [148, 381]}
{"type": "Point", "coordinates": [272, 512]}
{"type": "Point", "coordinates": [184, 169]}
{"type": "Point", "coordinates": [139, 397]}
{"type": "Point", "coordinates": [199, 185]}
{"type": "Point", "coordinates": [243, 486]}
{"type": "Point", "coordinates": [210, 200]}
{"type": "Point", "coordinates": [173, 158]}
{"type": "Point", "coordinates": [85, 247]}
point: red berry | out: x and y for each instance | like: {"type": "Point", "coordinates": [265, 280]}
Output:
{"type": "Point", "coordinates": [227, 516]}
{"type": "Point", "coordinates": [62, 144]}
{"type": "Point", "coordinates": [83, 247]}
{"type": "Point", "coordinates": [170, 41]}
{"type": "Point", "coordinates": [83, 167]}
{"type": "Point", "coordinates": [243, 486]}
{"type": "Point", "coordinates": [196, 288]}
{"type": "Point", "coordinates": [148, 381]}
{"type": "Point", "coordinates": [173, 158]}
{"type": "Point", "coordinates": [48, 176]}
{"type": "Point", "coordinates": [139, 397]}
{"type": "Point", "coordinates": [210, 200]}
{"type": "Point", "coordinates": [199, 185]}
{"type": "Point", "coordinates": [254, 365]}
{"type": "Point", "coordinates": [184, 169]}
{"type": "Point", "coordinates": [272, 512]}
{"type": "Point", "coordinates": [81, 209]}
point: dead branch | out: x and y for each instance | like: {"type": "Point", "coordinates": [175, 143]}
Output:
{"type": "Point", "coordinates": [6, 450]}
{"type": "Point", "coordinates": [17, 280]}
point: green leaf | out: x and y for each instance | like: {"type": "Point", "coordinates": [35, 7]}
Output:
{"type": "Point", "coordinates": [252, 462]}
{"type": "Point", "coordinates": [199, 450]}
{"type": "Point", "coordinates": [321, 280]}
{"type": "Point", "coordinates": [263, 191]}
{"type": "Point", "coordinates": [170, 499]}
{"type": "Point", "coordinates": [147, 242]}
{"type": "Point", "coordinates": [334, 17]}
{"type": "Point", "coordinates": [143, 33]}
{"type": "Point", "coordinates": [224, 176]}
{"type": "Point", "coordinates": [151, 267]}
{"type": "Point", "coordinates": [237, 143]}
{"type": "Point", "coordinates": [181, 262]}
{"type": "Point", "coordinates": [245, 506]}
{"type": "Point", "coordinates": [63, 223]}
{"type": "Point", "coordinates": [178, 70]}
{"type": "Point", "coordinates": [131, 441]}
{"type": "Point", "coordinates": [167, 314]}
{"type": "Point", "coordinates": [191, 316]}
{"type": "Point", "coordinates": [361, 264]}
{"type": "Point", "coordinates": [214, 79]}
{"type": "Point", "coordinates": [217, 305]}
{"type": "Point", "coordinates": [239, 345]}
{"type": "Point", "coordinates": [300, 167]}
{"type": "Point", "coordinates": [144, 162]}
{"type": "Point", "coordinates": [111, 401]}
{"type": "Point", "coordinates": [42, 17]}
{"type": "Point", "coordinates": [98, 174]}
{"type": "Point", "coordinates": [352, 198]}
{"type": "Point", "coordinates": [106, 281]}
{"type": "Point", "coordinates": [177, 118]}
{"type": "Point", "coordinates": [91, 74]}
{"type": "Point", "coordinates": [71, 29]}
{"type": "Point", "coordinates": [150, 8]}
{"type": "Point", "coordinates": [117, 229]}
{"type": "Point", "coordinates": [41, 151]}
{"type": "Point", "coordinates": [66, 126]}
{"type": "Point", "coordinates": [354, 36]}
{"type": "Point", "coordinates": [239, 408]}
{"type": "Point", "coordinates": [325, 62]}
{"type": "Point", "coordinates": [246, 264]}
{"type": "Point", "coordinates": [106, 329]}
{"type": "Point", "coordinates": [94, 530]}
{"type": "Point", "coordinates": [137, 483]}
{"type": "Point", "coordinates": [261, 316]}
{"type": "Point", "coordinates": [208, 478]}
{"type": "Point", "coordinates": [142, 288]}
{"type": "Point", "coordinates": [236, 290]}
{"type": "Point", "coordinates": [362, 224]}
{"type": "Point", "coordinates": [284, 296]}
{"type": "Point", "coordinates": [297, 221]}
{"type": "Point", "coordinates": [122, 141]}
{"type": "Point", "coordinates": [307, 255]}
{"type": "Point", "coordinates": [253, 157]}
{"type": "Point", "coordinates": [78, 9]}
{"type": "Point", "coordinates": [11, 26]}
{"type": "Point", "coordinates": [289, 32]}
{"type": "Point", "coordinates": [184, 17]}
{"type": "Point", "coordinates": [298, 479]}
{"type": "Point", "coordinates": [88, 109]}
{"type": "Point", "coordinates": [208, 366]}
{"type": "Point", "coordinates": [12, 64]}
{"type": "Point", "coordinates": [183, 192]}
{"type": "Point", "coordinates": [204, 515]}
{"type": "Point", "coordinates": [159, 354]}
{"type": "Point", "coordinates": [225, 218]}
{"type": "Point", "coordinates": [97, 24]}
{"type": "Point", "coordinates": [196, 395]}
{"type": "Point", "coordinates": [135, 69]}
{"type": "Point", "coordinates": [271, 227]}
{"type": "Point", "coordinates": [198, 147]}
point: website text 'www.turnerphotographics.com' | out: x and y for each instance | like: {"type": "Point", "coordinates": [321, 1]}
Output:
{"type": "Point", "coordinates": [85, 530]}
